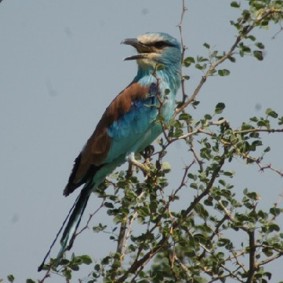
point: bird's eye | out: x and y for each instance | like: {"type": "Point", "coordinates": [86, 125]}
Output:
{"type": "Point", "coordinates": [160, 44]}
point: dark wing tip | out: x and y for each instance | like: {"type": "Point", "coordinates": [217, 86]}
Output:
{"type": "Point", "coordinates": [69, 189]}
{"type": "Point", "coordinates": [72, 184]}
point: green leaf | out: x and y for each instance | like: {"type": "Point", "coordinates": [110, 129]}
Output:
{"type": "Point", "coordinates": [207, 117]}
{"type": "Point", "coordinates": [267, 149]}
{"type": "Point", "coordinates": [280, 121]}
{"type": "Point", "coordinates": [273, 227]}
{"type": "Point", "coordinates": [229, 173]}
{"type": "Point", "coordinates": [192, 176]}
{"type": "Point", "coordinates": [232, 59]}
{"type": "Point", "coordinates": [200, 66]}
{"type": "Point", "coordinates": [275, 211]}
{"type": "Point", "coordinates": [105, 260]}
{"type": "Point", "coordinates": [86, 259]}
{"type": "Point", "coordinates": [219, 108]}
{"type": "Point", "coordinates": [263, 123]}
{"type": "Point", "coordinates": [188, 61]}
{"type": "Point", "coordinates": [68, 274]}
{"type": "Point", "coordinates": [271, 113]}
{"type": "Point", "coordinates": [235, 4]}
{"type": "Point", "coordinates": [201, 59]}
{"type": "Point", "coordinates": [259, 45]}
{"type": "Point", "coordinates": [11, 278]}
{"type": "Point", "coordinates": [206, 45]}
{"type": "Point", "coordinates": [99, 228]}
{"type": "Point", "coordinates": [258, 4]}
{"type": "Point", "coordinates": [185, 117]}
{"type": "Point", "coordinates": [108, 204]}
{"type": "Point", "coordinates": [254, 119]}
{"type": "Point", "coordinates": [251, 37]}
{"type": "Point", "coordinates": [258, 54]}
{"type": "Point", "coordinates": [223, 72]}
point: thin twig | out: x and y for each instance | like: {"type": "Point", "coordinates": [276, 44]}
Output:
{"type": "Point", "coordinates": [257, 130]}
{"type": "Point", "coordinates": [226, 56]}
{"type": "Point", "coordinates": [90, 217]}
{"type": "Point", "coordinates": [184, 48]}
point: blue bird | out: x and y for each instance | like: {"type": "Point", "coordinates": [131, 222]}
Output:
{"type": "Point", "coordinates": [130, 123]}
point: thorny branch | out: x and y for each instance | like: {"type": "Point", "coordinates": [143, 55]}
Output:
{"type": "Point", "coordinates": [226, 56]}
{"type": "Point", "coordinates": [184, 48]}
{"type": "Point", "coordinates": [141, 257]}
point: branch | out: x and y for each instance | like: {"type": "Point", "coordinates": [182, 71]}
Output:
{"type": "Point", "coordinates": [125, 228]}
{"type": "Point", "coordinates": [203, 194]}
{"type": "Point", "coordinates": [184, 48]}
{"type": "Point", "coordinates": [90, 217]}
{"type": "Point", "coordinates": [252, 250]}
{"type": "Point", "coordinates": [242, 34]}
{"type": "Point", "coordinates": [141, 262]}
{"type": "Point", "coordinates": [257, 130]}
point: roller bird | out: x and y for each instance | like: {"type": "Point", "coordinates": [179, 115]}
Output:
{"type": "Point", "coordinates": [129, 124]}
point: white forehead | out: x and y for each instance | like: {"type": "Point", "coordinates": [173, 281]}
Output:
{"type": "Point", "coordinates": [147, 38]}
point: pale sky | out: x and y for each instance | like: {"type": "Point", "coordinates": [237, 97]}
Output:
{"type": "Point", "coordinates": [61, 63]}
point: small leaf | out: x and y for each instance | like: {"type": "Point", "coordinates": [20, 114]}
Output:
{"type": "Point", "coordinates": [196, 103]}
{"type": "Point", "coordinates": [207, 117]}
{"type": "Point", "coordinates": [273, 227]}
{"type": "Point", "coordinates": [201, 59]}
{"type": "Point", "coordinates": [200, 67]}
{"type": "Point", "coordinates": [251, 37]}
{"type": "Point", "coordinates": [11, 278]}
{"type": "Point", "coordinates": [219, 108]}
{"type": "Point", "coordinates": [229, 173]}
{"type": "Point", "coordinates": [86, 259]}
{"type": "Point", "coordinates": [232, 59]}
{"type": "Point", "coordinates": [259, 45]}
{"type": "Point", "coordinates": [267, 149]}
{"type": "Point", "coordinates": [185, 117]}
{"type": "Point", "coordinates": [97, 267]}
{"type": "Point", "coordinates": [188, 61]}
{"type": "Point", "coordinates": [254, 119]}
{"type": "Point", "coordinates": [108, 204]}
{"type": "Point", "coordinates": [206, 45]}
{"type": "Point", "coordinates": [105, 260]}
{"type": "Point", "coordinates": [235, 4]}
{"type": "Point", "coordinates": [223, 72]}
{"type": "Point", "coordinates": [271, 113]}
{"type": "Point", "coordinates": [258, 55]}
{"type": "Point", "coordinates": [275, 211]}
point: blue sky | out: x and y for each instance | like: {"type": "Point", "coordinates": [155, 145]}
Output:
{"type": "Point", "coordinates": [61, 63]}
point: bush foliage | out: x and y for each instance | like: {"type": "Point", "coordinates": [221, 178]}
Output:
{"type": "Point", "coordinates": [169, 230]}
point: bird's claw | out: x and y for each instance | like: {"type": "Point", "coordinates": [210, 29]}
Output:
{"type": "Point", "coordinates": [144, 168]}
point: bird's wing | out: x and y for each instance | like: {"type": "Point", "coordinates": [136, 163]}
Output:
{"type": "Point", "coordinates": [121, 130]}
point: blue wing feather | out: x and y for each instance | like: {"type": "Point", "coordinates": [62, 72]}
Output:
{"type": "Point", "coordinates": [137, 128]}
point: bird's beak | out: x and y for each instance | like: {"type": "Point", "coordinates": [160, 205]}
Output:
{"type": "Point", "coordinates": [141, 48]}
{"type": "Point", "coordinates": [131, 41]}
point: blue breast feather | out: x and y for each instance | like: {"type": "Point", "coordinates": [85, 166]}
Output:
{"type": "Point", "coordinates": [139, 127]}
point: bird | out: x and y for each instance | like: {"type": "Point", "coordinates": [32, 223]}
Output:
{"type": "Point", "coordinates": [129, 124]}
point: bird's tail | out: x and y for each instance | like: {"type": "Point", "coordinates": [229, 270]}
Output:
{"type": "Point", "coordinates": [69, 233]}
{"type": "Point", "coordinates": [74, 218]}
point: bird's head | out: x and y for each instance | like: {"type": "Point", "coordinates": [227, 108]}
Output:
{"type": "Point", "coordinates": [155, 49]}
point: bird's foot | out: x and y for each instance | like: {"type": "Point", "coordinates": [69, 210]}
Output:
{"type": "Point", "coordinates": [144, 168]}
